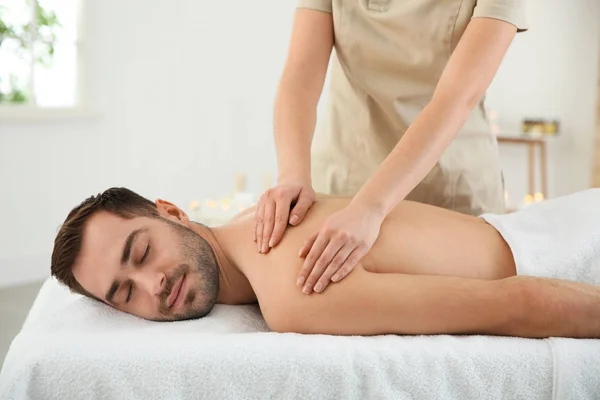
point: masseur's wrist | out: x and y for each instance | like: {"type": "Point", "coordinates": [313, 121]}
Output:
{"type": "Point", "coordinates": [296, 175]}
{"type": "Point", "coordinates": [366, 206]}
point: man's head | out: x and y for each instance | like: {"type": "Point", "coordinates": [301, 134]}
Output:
{"type": "Point", "coordinates": [137, 256]}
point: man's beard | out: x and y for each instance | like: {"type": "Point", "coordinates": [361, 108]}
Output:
{"type": "Point", "coordinates": [200, 267]}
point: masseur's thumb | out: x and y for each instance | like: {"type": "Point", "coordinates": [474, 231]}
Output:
{"type": "Point", "coordinates": [299, 211]}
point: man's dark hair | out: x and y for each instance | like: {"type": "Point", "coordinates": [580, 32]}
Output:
{"type": "Point", "coordinates": [67, 245]}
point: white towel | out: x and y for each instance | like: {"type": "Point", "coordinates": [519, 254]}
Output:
{"type": "Point", "coordinates": [557, 238]}
{"type": "Point", "coordinates": [74, 348]}
{"type": "Point", "coordinates": [577, 376]}
{"type": "Point", "coordinates": [560, 238]}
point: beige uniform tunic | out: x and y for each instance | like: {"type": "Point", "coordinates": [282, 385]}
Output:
{"type": "Point", "coordinates": [389, 56]}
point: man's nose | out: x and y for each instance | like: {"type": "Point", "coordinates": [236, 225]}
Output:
{"type": "Point", "coordinates": [152, 282]}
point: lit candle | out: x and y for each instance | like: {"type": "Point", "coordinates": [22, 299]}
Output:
{"type": "Point", "coordinates": [195, 210]}
{"type": "Point", "coordinates": [539, 197]}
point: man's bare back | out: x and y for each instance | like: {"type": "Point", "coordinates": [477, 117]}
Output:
{"type": "Point", "coordinates": [414, 239]}
{"type": "Point", "coordinates": [431, 271]}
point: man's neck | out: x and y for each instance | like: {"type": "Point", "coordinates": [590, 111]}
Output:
{"type": "Point", "coordinates": [234, 288]}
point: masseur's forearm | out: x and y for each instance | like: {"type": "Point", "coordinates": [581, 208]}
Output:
{"type": "Point", "coordinates": [299, 90]}
{"type": "Point", "coordinates": [463, 83]}
{"type": "Point", "coordinates": [294, 122]}
{"type": "Point", "coordinates": [415, 155]}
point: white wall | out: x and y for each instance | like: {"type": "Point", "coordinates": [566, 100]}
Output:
{"type": "Point", "coordinates": [183, 92]}
{"type": "Point", "coordinates": [551, 72]}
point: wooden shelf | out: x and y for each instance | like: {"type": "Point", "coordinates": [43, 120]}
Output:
{"type": "Point", "coordinates": [521, 139]}
{"type": "Point", "coordinates": [531, 143]}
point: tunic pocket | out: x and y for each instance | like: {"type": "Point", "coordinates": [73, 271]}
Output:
{"type": "Point", "coordinates": [378, 5]}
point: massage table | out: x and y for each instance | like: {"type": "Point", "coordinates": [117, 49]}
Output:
{"type": "Point", "coordinates": [71, 347]}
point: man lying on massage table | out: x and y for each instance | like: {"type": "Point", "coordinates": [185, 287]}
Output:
{"type": "Point", "coordinates": [431, 271]}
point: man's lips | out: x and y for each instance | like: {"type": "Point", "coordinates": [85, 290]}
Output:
{"type": "Point", "coordinates": [175, 293]}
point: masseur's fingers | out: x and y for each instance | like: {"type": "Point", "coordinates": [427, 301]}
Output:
{"type": "Point", "coordinates": [273, 211]}
{"type": "Point", "coordinates": [320, 266]}
{"type": "Point", "coordinates": [258, 223]}
{"type": "Point", "coordinates": [349, 265]}
{"type": "Point", "coordinates": [256, 217]}
{"type": "Point", "coordinates": [308, 245]}
{"type": "Point", "coordinates": [282, 214]}
{"type": "Point", "coordinates": [313, 256]}
{"type": "Point", "coordinates": [340, 258]}
{"type": "Point", "coordinates": [306, 198]}
{"type": "Point", "coordinates": [268, 221]}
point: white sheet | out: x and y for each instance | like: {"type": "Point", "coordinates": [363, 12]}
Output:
{"type": "Point", "coordinates": [73, 348]}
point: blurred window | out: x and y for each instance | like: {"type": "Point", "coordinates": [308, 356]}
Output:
{"type": "Point", "coordinates": [39, 53]}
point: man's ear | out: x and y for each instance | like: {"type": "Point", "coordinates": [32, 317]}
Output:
{"type": "Point", "coordinates": [171, 211]}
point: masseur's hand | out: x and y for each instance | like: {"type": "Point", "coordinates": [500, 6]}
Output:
{"type": "Point", "coordinates": [273, 211]}
{"type": "Point", "coordinates": [334, 251]}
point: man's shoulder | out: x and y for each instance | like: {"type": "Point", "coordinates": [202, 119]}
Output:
{"type": "Point", "coordinates": [246, 212]}
{"type": "Point", "coordinates": [321, 199]}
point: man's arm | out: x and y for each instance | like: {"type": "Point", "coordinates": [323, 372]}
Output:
{"type": "Point", "coordinates": [371, 304]}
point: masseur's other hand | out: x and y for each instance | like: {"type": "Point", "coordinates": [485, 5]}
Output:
{"type": "Point", "coordinates": [334, 251]}
{"type": "Point", "coordinates": [273, 211]}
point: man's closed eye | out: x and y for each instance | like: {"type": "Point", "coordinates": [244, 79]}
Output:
{"type": "Point", "coordinates": [144, 257]}
{"type": "Point", "coordinates": [129, 293]}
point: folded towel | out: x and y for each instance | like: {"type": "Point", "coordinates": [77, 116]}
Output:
{"type": "Point", "coordinates": [557, 238]}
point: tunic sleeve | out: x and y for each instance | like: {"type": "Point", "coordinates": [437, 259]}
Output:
{"type": "Point", "coordinates": [511, 11]}
{"type": "Point", "coordinates": [321, 5]}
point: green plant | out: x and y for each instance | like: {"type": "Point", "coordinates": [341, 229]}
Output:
{"type": "Point", "coordinates": [16, 95]}
{"type": "Point", "coordinates": [4, 29]}
{"type": "Point", "coordinates": [40, 33]}
{"type": "Point", "coordinates": [46, 24]}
